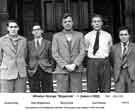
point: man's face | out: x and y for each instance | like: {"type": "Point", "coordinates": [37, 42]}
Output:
{"type": "Point", "coordinates": [37, 31]}
{"type": "Point", "coordinates": [67, 23]}
{"type": "Point", "coordinates": [96, 23]}
{"type": "Point", "coordinates": [13, 28]}
{"type": "Point", "coordinates": [124, 36]}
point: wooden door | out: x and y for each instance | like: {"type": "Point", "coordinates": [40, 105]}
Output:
{"type": "Point", "coordinates": [53, 10]}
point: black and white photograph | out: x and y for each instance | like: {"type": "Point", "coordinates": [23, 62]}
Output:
{"type": "Point", "coordinates": [62, 55]}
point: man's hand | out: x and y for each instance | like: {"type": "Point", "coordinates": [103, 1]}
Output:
{"type": "Point", "coordinates": [70, 67]}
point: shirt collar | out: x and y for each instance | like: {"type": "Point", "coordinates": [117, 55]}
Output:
{"type": "Point", "coordinates": [67, 32]}
{"type": "Point", "coordinates": [97, 30]}
{"type": "Point", "coordinates": [122, 44]}
{"type": "Point", "coordinates": [15, 39]}
{"type": "Point", "coordinates": [38, 39]}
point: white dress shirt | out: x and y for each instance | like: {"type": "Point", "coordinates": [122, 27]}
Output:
{"type": "Point", "coordinates": [39, 40]}
{"type": "Point", "coordinates": [105, 42]}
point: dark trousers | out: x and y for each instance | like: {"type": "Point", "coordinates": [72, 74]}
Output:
{"type": "Point", "coordinates": [41, 82]}
{"type": "Point", "coordinates": [125, 83]}
{"type": "Point", "coordinates": [98, 75]}
{"type": "Point", "coordinates": [70, 82]}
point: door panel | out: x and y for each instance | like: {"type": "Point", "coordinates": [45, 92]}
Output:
{"type": "Point", "coordinates": [54, 10]}
{"type": "Point", "coordinates": [53, 15]}
{"type": "Point", "coordinates": [80, 15]}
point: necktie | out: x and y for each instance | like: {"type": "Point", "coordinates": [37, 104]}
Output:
{"type": "Point", "coordinates": [96, 44]}
{"type": "Point", "coordinates": [15, 43]}
{"type": "Point", "coordinates": [38, 45]}
{"type": "Point", "coordinates": [124, 56]}
{"type": "Point", "coordinates": [124, 52]}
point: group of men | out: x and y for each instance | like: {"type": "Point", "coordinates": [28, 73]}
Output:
{"type": "Point", "coordinates": [20, 59]}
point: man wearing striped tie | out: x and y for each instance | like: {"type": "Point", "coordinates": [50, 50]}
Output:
{"type": "Point", "coordinates": [124, 62]}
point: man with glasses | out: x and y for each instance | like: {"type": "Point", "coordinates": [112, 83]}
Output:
{"type": "Point", "coordinates": [40, 68]}
{"type": "Point", "coordinates": [13, 50]}
{"type": "Point", "coordinates": [123, 54]}
{"type": "Point", "coordinates": [98, 44]}
{"type": "Point", "coordinates": [68, 50]}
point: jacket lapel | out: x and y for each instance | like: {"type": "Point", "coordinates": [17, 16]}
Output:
{"type": "Point", "coordinates": [73, 41]}
{"type": "Point", "coordinates": [41, 47]}
{"type": "Point", "coordinates": [20, 44]}
{"type": "Point", "coordinates": [33, 47]}
{"type": "Point", "coordinates": [119, 51]}
{"type": "Point", "coordinates": [64, 39]}
{"type": "Point", "coordinates": [10, 45]}
{"type": "Point", "coordinates": [33, 44]}
{"type": "Point", "coordinates": [129, 48]}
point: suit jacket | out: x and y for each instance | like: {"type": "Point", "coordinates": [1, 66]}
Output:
{"type": "Point", "coordinates": [61, 53]}
{"type": "Point", "coordinates": [12, 61]}
{"type": "Point", "coordinates": [117, 58]}
{"type": "Point", "coordinates": [39, 57]}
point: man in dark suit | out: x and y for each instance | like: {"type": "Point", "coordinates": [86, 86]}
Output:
{"type": "Point", "coordinates": [68, 50]}
{"type": "Point", "coordinates": [124, 62]}
{"type": "Point", "coordinates": [39, 51]}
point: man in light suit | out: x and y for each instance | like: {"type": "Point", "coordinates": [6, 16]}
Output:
{"type": "Point", "coordinates": [40, 68]}
{"type": "Point", "coordinates": [68, 50]}
{"type": "Point", "coordinates": [13, 49]}
{"type": "Point", "coordinates": [124, 62]}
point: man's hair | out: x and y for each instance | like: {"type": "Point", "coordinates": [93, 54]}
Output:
{"type": "Point", "coordinates": [97, 15]}
{"type": "Point", "coordinates": [12, 21]}
{"type": "Point", "coordinates": [124, 28]}
{"type": "Point", "coordinates": [36, 24]}
{"type": "Point", "coordinates": [67, 15]}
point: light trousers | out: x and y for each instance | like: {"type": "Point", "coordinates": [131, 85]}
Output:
{"type": "Point", "coordinates": [13, 86]}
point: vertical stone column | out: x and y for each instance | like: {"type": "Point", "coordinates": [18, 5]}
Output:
{"type": "Point", "coordinates": [130, 16]}
{"type": "Point", "coordinates": [3, 16]}
{"type": "Point", "coordinates": [37, 10]}
{"type": "Point", "coordinates": [20, 15]}
{"type": "Point", "coordinates": [90, 10]}
{"type": "Point", "coordinates": [91, 7]}
{"type": "Point", "coordinates": [67, 4]}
